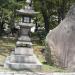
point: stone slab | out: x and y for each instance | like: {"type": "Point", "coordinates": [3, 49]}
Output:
{"type": "Point", "coordinates": [25, 51]}
{"type": "Point", "coordinates": [21, 66]}
{"type": "Point", "coordinates": [22, 59]}
{"type": "Point", "coordinates": [23, 44]}
{"type": "Point", "coordinates": [5, 73]}
{"type": "Point", "coordinates": [24, 38]}
{"type": "Point", "coordinates": [26, 25]}
{"type": "Point", "coordinates": [36, 73]}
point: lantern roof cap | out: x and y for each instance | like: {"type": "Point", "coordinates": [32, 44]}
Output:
{"type": "Point", "coordinates": [27, 10]}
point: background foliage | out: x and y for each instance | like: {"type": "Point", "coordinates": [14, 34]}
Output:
{"type": "Point", "coordinates": [51, 12]}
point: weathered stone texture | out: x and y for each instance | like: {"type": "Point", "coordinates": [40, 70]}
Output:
{"type": "Point", "coordinates": [61, 41]}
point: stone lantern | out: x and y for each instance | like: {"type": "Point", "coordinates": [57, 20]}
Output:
{"type": "Point", "coordinates": [23, 56]}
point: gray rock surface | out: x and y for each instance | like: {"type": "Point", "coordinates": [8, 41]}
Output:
{"type": "Point", "coordinates": [61, 42]}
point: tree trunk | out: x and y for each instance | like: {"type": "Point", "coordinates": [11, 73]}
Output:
{"type": "Point", "coordinates": [1, 22]}
{"type": "Point", "coordinates": [61, 10]}
{"type": "Point", "coordinates": [45, 15]}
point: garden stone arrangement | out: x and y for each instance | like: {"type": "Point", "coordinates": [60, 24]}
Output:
{"type": "Point", "coordinates": [61, 42]}
{"type": "Point", "coordinates": [23, 57]}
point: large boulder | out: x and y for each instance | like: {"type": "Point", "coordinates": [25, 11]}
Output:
{"type": "Point", "coordinates": [61, 42]}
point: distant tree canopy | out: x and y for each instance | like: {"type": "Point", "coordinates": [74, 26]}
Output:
{"type": "Point", "coordinates": [7, 12]}
{"type": "Point", "coordinates": [51, 12]}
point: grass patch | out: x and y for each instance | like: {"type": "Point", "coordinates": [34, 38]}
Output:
{"type": "Point", "coordinates": [6, 45]}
